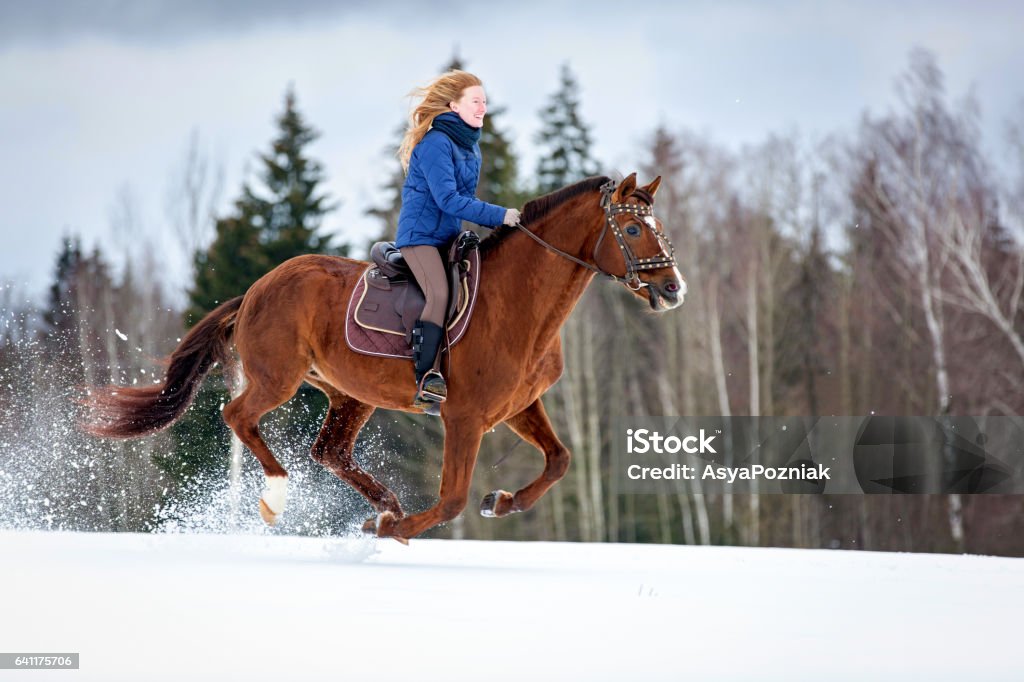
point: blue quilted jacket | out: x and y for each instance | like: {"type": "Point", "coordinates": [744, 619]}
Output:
{"type": "Point", "coordinates": [440, 192]}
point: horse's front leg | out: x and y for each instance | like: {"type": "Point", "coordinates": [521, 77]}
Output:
{"type": "Point", "coordinates": [533, 425]}
{"type": "Point", "coordinates": [461, 446]}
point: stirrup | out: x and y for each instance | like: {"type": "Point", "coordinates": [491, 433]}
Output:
{"type": "Point", "coordinates": [432, 388]}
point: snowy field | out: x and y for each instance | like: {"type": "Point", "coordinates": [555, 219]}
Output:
{"type": "Point", "coordinates": [216, 607]}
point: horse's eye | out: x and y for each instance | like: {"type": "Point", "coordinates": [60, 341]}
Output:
{"type": "Point", "coordinates": [633, 230]}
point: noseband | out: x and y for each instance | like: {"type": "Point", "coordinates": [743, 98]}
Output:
{"type": "Point", "coordinates": [664, 259]}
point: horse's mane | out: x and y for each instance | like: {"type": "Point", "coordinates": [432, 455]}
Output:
{"type": "Point", "coordinates": [540, 207]}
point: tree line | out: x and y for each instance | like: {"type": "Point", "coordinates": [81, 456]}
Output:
{"type": "Point", "coordinates": [876, 272]}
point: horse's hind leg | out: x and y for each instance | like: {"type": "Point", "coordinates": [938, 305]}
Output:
{"type": "Point", "coordinates": [336, 442]}
{"type": "Point", "coordinates": [535, 428]}
{"type": "Point", "coordinates": [243, 416]}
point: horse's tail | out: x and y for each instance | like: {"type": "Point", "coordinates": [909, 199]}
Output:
{"type": "Point", "coordinates": [128, 412]}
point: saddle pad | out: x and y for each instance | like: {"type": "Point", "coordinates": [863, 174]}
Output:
{"type": "Point", "coordinates": [391, 345]}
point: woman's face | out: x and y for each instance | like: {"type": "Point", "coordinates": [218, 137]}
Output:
{"type": "Point", "coordinates": [472, 106]}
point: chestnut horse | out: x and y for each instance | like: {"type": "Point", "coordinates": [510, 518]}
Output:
{"type": "Point", "coordinates": [288, 327]}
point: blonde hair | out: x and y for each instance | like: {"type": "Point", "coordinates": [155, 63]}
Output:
{"type": "Point", "coordinates": [446, 88]}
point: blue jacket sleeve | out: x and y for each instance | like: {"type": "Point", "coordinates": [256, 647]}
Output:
{"type": "Point", "coordinates": [439, 171]}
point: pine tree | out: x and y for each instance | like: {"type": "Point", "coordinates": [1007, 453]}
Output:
{"type": "Point", "coordinates": [73, 328]}
{"type": "Point", "coordinates": [234, 260]}
{"type": "Point", "coordinates": [566, 139]}
{"type": "Point", "coordinates": [59, 318]}
{"type": "Point", "coordinates": [290, 218]}
{"type": "Point", "coordinates": [279, 220]}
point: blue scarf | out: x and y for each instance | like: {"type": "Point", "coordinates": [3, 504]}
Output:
{"type": "Point", "coordinates": [459, 131]}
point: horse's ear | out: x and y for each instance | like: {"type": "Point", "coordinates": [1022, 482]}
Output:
{"type": "Point", "coordinates": [652, 188]}
{"type": "Point", "coordinates": [625, 188]}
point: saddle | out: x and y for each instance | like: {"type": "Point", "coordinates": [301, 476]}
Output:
{"type": "Point", "coordinates": [387, 301]}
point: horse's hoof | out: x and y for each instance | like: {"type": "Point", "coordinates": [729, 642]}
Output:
{"type": "Point", "coordinates": [496, 503]}
{"type": "Point", "coordinates": [274, 497]}
{"type": "Point", "coordinates": [269, 517]}
{"type": "Point", "coordinates": [382, 526]}
{"type": "Point", "coordinates": [487, 504]}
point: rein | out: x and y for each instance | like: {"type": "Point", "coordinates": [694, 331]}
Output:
{"type": "Point", "coordinates": [634, 265]}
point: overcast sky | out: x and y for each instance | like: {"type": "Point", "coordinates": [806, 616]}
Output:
{"type": "Point", "coordinates": [99, 98]}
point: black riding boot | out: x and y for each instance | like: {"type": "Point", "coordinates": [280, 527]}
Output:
{"type": "Point", "coordinates": [430, 385]}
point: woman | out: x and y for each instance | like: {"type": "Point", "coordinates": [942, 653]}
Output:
{"type": "Point", "coordinates": [441, 156]}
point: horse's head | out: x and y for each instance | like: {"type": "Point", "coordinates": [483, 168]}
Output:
{"type": "Point", "coordinates": [633, 243]}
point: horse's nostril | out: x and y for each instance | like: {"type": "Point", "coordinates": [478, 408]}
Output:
{"type": "Point", "coordinates": [671, 287]}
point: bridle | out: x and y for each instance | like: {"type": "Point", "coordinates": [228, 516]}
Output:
{"type": "Point", "coordinates": [664, 259]}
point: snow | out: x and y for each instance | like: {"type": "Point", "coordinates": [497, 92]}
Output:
{"type": "Point", "coordinates": [250, 607]}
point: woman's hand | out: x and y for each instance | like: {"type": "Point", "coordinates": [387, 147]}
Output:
{"type": "Point", "coordinates": [511, 216]}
